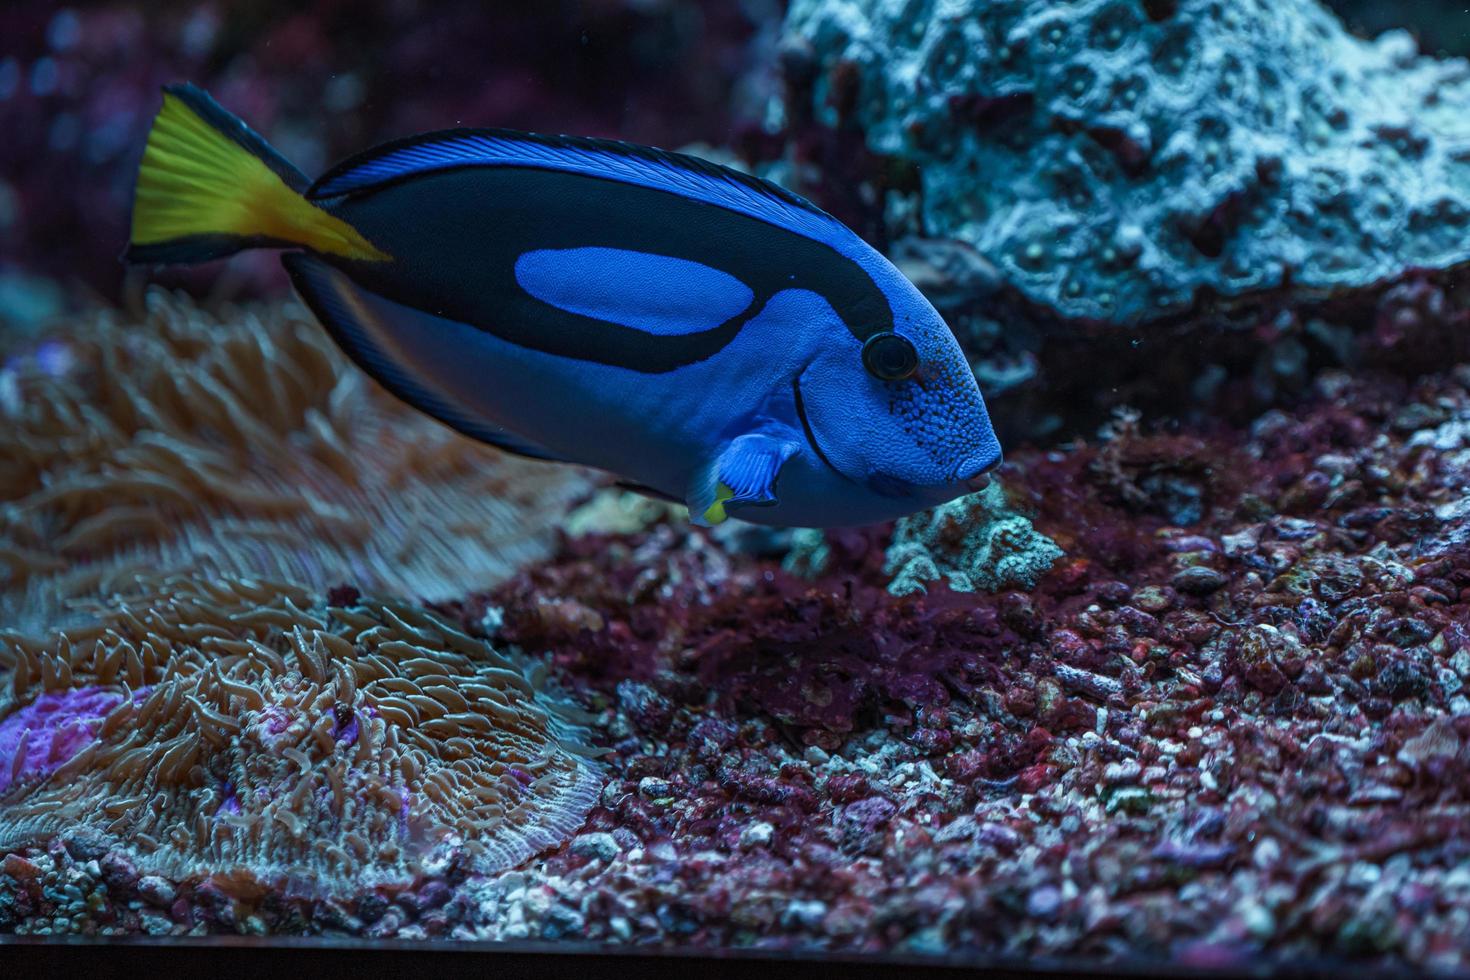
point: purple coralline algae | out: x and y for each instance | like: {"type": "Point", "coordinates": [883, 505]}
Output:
{"type": "Point", "coordinates": [47, 733]}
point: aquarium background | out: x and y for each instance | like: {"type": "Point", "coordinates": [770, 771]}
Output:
{"type": "Point", "coordinates": [1187, 685]}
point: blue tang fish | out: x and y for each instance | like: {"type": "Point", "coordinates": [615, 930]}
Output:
{"type": "Point", "coordinates": [703, 335]}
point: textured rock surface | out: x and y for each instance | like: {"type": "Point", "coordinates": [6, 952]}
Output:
{"type": "Point", "coordinates": [1116, 160]}
{"type": "Point", "coordinates": [975, 542]}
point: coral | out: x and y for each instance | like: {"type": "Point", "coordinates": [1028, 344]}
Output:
{"type": "Point", "coordinates": [1117, 161]}
{"type": "Point", "coordinates": [974, 543]}
{"type": "Point", "coordinates": [235, 727]}
{"type": "Point", "coordinates": [242, 444]}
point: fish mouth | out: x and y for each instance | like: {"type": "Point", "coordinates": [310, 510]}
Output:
{"type": "Point", "coordinates": [806, 428]}
{"type": "Point", "coordinates": [979, 476]}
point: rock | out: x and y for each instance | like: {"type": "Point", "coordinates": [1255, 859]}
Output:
{"type": "Point", "coordinates": [1198, 580]}
{"type": "Point", "coordinates": [758, 834]}
{"type": "Point", "coordinates": [1113, 164]}
{"type": "Point", "coordinates": [602, 846]}
{"type": "Point", "coordinates": [976, 543]}
{"type": "Point", "coordinates": [654, 788]}
{"type": "Point", "coordinates": [156, 890]}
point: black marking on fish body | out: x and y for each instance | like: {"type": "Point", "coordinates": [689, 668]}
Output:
{"type": "Point", "coordinates": [338, 304]}
{"type": "Point", "coordinates": [456, 235]}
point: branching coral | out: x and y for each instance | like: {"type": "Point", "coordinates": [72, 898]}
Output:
{"type": "Point", "coordinates": [242, 727]}
{"type": "Point", "coordinates": [975, 542]}
{"type": "Point", "coordinates": [242, 445]}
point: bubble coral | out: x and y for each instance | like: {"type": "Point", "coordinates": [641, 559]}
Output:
{"type": "Point", "coordinates": [243, 444]}
{"type": "Point", "coordinates": [976, 543]}
{"type": "Point", "coordinates": [239, 728]}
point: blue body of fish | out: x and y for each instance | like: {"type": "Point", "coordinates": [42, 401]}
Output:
{"type": "Point", "coordinates": [699, 333]}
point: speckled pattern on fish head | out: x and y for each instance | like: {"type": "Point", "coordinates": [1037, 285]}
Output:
{"type": "Point", "coordinates": [926, 436]}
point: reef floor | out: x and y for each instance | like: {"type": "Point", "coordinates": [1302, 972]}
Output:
{"type": "Point", "coordinates": [1231, 725]}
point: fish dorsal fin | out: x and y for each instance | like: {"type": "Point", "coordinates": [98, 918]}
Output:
{"type": "Point", "coordinates": [676, 173]}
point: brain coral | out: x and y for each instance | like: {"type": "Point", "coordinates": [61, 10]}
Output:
{"type": "Point", "coordinates": [975, 542]}
{"type": "Point", "coordinates": [1119, 159]}
{"type": "Point", "coordinates": [240, 727]}
{"type": "Point", "coordinates": [243, 444]}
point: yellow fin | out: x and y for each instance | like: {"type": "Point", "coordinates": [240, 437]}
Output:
{"type": "Point", "coordinates": [715, 512]}
{"type": "Point", "coordinates": [197, 182]}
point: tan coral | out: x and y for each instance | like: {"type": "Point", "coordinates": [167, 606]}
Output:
{"type": "Point", "coordinates": [243, 444]}
{"type": "Point", "coordinates": [258, 734]}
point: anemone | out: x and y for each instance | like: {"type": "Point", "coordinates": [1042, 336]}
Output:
{"type": "Point", "coordinates": [242, 444]}
{"type": "Point", "coordinates": [243, 728]}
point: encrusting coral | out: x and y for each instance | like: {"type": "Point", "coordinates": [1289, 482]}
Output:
{"type": "Point", "coordinates": [975, 543]}
{"type": "Point", "coordinates": [243, 444]}
{"type": "Point", "coordinates": [247, 730]}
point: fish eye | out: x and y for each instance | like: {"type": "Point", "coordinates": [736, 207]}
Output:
{"type": "Point", "coordinates": [889, 357]}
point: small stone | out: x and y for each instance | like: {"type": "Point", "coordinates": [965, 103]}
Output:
{"type": "Point", "coordinates": [1130, 799]}
{"type": "Point", "coordinates": [156, 923]}
{"type": "Point", "coordinates": [1259, 923]}
{"type": "Point", "coordinates": [1154, 599]}
{"type": "Point", "coordinates": [800, 912]}
{"type": "Point", "coordinates": [758, 834]}
{"type": "Point", "coordinates": [654, 788]}
{"type": "Point", "coordinates": [19, 868]}
{"type": "Point", "coordinates": [1198, 580]}
{"type": "Point", "coordinates": [1119, 773]}
{"type": "Point", "coordinates": [603, 847]}
{"type": "Point", "coordinates": [1044, 902]}
{"type": "Point", "coordinates": [156, 891]}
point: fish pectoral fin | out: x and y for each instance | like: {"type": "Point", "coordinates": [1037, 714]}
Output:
{"type": "Point", "coordinates": [744, 473]}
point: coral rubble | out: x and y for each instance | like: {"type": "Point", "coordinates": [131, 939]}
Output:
{"type": "Point", "coordinates": [974, 542]}
{"type": "Point", "coordinates": [243, 444]}
{"type": "Point", "coordinates": [1117, 160]}
{"type": "Point", "coordinates": [1230, 727]}
{"type": "Point", "coordinates": [246, 730]}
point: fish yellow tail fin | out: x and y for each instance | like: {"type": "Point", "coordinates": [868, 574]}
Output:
{"type": "Point", "coordinates": [210, 186]}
